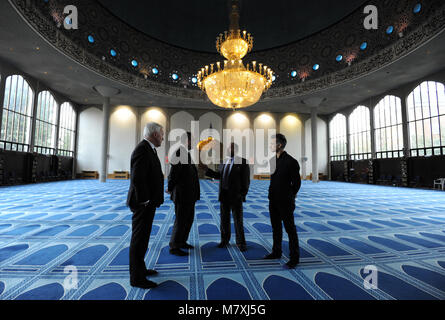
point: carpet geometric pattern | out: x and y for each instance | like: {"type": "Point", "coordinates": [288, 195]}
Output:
{"type": "Point", "coordinates": [46, 230]}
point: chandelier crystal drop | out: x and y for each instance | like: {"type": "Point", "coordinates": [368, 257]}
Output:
{"type": "Point", "coordinates": [231, 84]}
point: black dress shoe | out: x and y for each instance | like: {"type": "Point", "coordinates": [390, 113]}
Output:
{"type": "Point", "coordinates": [143, 284]}
{"type": "Point", "coordinates": [272, 256]}
{"type": "Point", "coordinates": [222, 245]}
{"type": "Point", "coordinates": [178, 252]}
{"type": "Point", "coordinates": [187, 246]}
{"type": "Point", "coordinates": [291, 264]}
{"type": "Point", "coordinates": [150, 272]}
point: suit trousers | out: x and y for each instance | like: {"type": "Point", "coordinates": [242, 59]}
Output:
{"type": "Point", "coordinates": [184, 216]}
{"type": "Point", "coordinates": [236, 207]}
{"type": "Point", "coordinates": [142, 222]}
{"type": "Point", "coordinates": [283, 213]}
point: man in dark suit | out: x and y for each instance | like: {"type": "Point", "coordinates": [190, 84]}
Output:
{"type": "Point", "coordinates": [284, 185]}
{"type": "Point", "coordinates": [146, 193]}
{"type": "Point", "coordinates": [234, 174]}
{"type": "Point", "coordinates": [183, 186]}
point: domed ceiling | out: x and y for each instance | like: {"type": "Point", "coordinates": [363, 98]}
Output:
{"type": "Point", "coordinates": [316, 48]}
{"type": "Point", "coordinates": [195, 24]}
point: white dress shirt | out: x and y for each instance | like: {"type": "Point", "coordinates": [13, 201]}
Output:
{"type": "Point", "coordinates": [151, 145]}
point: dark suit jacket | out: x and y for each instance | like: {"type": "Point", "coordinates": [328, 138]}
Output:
{"type": "Point", "coordinates": [183, 181]}
{"type": "Point", "coordinates": [146, 179]}
{"type": "Point", "coordinates": [239, 181]}
{"type": "Point", "coordinates": [285, 182]}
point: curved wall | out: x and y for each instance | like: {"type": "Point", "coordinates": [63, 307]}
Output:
{"type": "Point", "coordinates": [127, 125]}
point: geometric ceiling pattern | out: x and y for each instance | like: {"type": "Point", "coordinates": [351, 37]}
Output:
{"type": "Point", "coordinates": [340, 53]}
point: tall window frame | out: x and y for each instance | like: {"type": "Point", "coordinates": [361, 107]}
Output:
{"type": "Point", "coordinates": [15, 130]}
{"type": "Point", "coordinates": [360, 133]}
{"type": "Point", "coordinates": [426, 119]}
{"type": "Point", "coordinates": [67, 130]}
{"type": "Point", "coordinates": [338, 139]}
{"type": "Point", "coordinates": [388, 126]}
{"type": "Point", "coordinates": [46, 124]}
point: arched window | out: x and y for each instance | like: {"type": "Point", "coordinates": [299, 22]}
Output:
{"type": "Point", "coordinates": [17, 115]}
{"type": "Point", "coordinates": [360, 133]}
{"type": "Point", "coordinates": [67, 130]}
{"type": "Point", "coordinates": [46, 122]}
{"type": "Point", "coordinates": [426, 118]}
{"type": "Point", "coordinates": [388, 128]}
{"type": "Point", "coordinates": [337, 138]}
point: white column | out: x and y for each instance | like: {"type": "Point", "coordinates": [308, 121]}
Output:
{"type": "Point", "coordinates": [348, 139]}
{"type": "Point", "coordinates": [138, 135]}
{"type": "Point", "coordinates": [328, 139]}
{"type": "Point", "coordinates": [105, 134]}
{"type": "Point", "coordinates": [406, 138]}
{"type": "Point", "coordinates": [314, 103]}
{"type": "Point", "coordinates": [76, 142]}
{"type": "Point", "coordinates": [2, 96]}
{"type": "Point", "coordinates": [59, 110]}
{"type": "Point", "coordinates": [167, 130]}
{"type": "Point", "coordinates": [314, 139]}
{"type": "Point", "coordinates": [106, 93]}
{"type": "Point", "coordinates": [303, 149]}
{"type": "Point", "coordinates": [34, 117]}
{"type": "Point", "coordinates": [373, 145]}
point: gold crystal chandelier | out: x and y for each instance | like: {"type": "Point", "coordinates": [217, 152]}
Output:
{"type": "Point", "coordinates": [231, 84]}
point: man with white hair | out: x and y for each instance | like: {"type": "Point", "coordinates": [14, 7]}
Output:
{"type": "Point", "coordinates": [146, 193]}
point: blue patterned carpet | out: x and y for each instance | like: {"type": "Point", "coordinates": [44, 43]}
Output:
{"type": "Point", "coordinates": [342, 229]}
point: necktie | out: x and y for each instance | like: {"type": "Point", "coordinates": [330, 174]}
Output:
{"type": "Point", "coordinates": [157, 158]}
{"type": "Point", "coordinates": [225, 180]}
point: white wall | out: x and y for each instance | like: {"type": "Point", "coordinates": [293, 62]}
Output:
{"type": "Point", "coordinates": [181, 120]}
{"type": "Point", "coordinates": [156, 115]}
{"type": "Point", "coordinates": [291, 127]}
{"type": "Point", "coordinates": [122, 139]}
{"type": "Point", "coordinates": [123, 135]}
{"type": "Point", "coordinates": [322, 146]}
{"type": "Point", "coordinates": [216, 122]}
{"type": "Point", "coordinates": [213, 119]}
{"type": "Point", "coordinates": [264, 122]}
{"type": "Point", "coordinates": [89, 140]}
{"type": "Point", "coordinates": [240, 121]}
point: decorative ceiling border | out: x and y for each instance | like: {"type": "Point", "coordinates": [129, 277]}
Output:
{"type": "Point", "coordinates": [319, 48]}
{"type": "Point", "coordinates": [388, 55]}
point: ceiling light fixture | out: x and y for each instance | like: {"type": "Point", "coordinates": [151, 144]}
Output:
{"type": "Point", "coordinates": [231, 84]}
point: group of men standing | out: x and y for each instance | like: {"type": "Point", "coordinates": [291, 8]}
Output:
{"type": "Point", "coordinates": [146, 193]}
